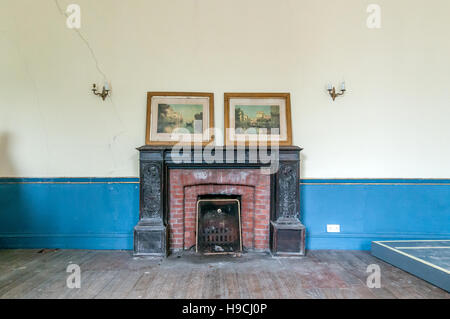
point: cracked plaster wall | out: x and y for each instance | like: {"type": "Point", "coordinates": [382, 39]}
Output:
{"type": "Point", "coordinates": [393, 121]}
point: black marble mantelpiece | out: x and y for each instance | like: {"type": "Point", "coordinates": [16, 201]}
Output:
{"type": "Point", "coordinates": [287, 235]}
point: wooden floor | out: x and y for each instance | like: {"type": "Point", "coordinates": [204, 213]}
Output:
{"type": "Point", "coordinates": [116, 274]}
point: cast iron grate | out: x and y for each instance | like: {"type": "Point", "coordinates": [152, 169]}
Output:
{"type": "Point", "coordinates": [218, 226]}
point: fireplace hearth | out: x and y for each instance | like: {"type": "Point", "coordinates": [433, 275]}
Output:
{"type": "Point", "coordinates": [219, 207]}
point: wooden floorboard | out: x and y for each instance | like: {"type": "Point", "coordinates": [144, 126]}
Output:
{"type": "Point", "coordinates": [117, 274]}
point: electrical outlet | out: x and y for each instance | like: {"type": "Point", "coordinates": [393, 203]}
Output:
{"type": "Point", "coordinates": [333, 228]}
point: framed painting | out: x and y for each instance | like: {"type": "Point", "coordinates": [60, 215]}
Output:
{"type": "Point", "coordinates": [179, 117]}
{"type": "Point", "coordinates": [257, 117]}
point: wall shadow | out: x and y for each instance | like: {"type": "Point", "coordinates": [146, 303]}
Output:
{"type": "Point", "coordinates": [6, 166]}
{"type": "Point", "coordinates": [11, 211]}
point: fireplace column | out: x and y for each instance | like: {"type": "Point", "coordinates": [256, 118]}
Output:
{"type": "Point", "coordinates": [150, 234]}
{"type": "Point", "coordinates": [287, 232]}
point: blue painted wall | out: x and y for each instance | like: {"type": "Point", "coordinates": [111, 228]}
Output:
{"type": "Point", "coordinates": [370, 210]}
{"type": "Point", "coordinates": [91, 213]}
{"type": "Point", "coordinates": [68, 213]}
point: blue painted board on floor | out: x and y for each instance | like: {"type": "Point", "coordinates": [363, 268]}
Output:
{"type": "Point", "coordinates": [426, 259]}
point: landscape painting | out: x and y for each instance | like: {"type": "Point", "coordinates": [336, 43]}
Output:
{"type": "Point", "coordinates": [173, 117]}
{"type": "Point", "coordinates": [179, 118]}
{"type": "Point", "coordinates": [257, 119]}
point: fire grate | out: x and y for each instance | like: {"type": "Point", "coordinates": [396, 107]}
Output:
{"type": "Point", "coordinates": [219, 226]}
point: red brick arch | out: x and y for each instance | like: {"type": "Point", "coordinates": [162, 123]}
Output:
{"type": "Point", "coordinates": [187, 184]}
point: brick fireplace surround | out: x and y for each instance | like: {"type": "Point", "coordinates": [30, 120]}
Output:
{"type": "Point", "coordinates": [170, 189]}
{"type": "Point", "coordinates": [186, 185]}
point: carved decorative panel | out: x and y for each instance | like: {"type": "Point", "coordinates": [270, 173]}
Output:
{"type": "Point", "coordinates": [288, 185]}
{"type": "Point", "coordinates": [151, 190]}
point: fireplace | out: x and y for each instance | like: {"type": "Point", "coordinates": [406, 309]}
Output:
{"type": "Point", "coordinates": [218, 225]}
{"type": "Point", "coordinates": [218, 207]}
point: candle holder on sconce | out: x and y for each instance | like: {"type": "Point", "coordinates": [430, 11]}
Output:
{"type": "Point", "coordinates": [333, 93]}
{"type": "Point", "coordinates": [105, 91]}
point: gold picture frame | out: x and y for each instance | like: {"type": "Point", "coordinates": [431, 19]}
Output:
{"type": "Point", "coordinates": [257, 113]}
{"type": "Point", "coordinates": [174, 118]}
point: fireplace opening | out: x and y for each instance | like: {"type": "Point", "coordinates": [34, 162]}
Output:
{"type": "Point", "coordinates": [219, 224]}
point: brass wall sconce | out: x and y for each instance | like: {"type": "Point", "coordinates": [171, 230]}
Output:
{"type": "Point", "coordinates": [105, 91]}
{"type": "Point", "coordinates": [333, 93]}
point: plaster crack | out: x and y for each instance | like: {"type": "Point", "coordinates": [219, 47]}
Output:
{"type": "Point", "coordinates": [86, 42]}
{"type": "Point", "coordinates": [122, 131]}
{"type": "Point", "coordinates": [97, 65]}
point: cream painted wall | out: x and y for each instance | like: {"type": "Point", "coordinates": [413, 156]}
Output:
{"type": "Point", "coordinates": [393, 121]}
